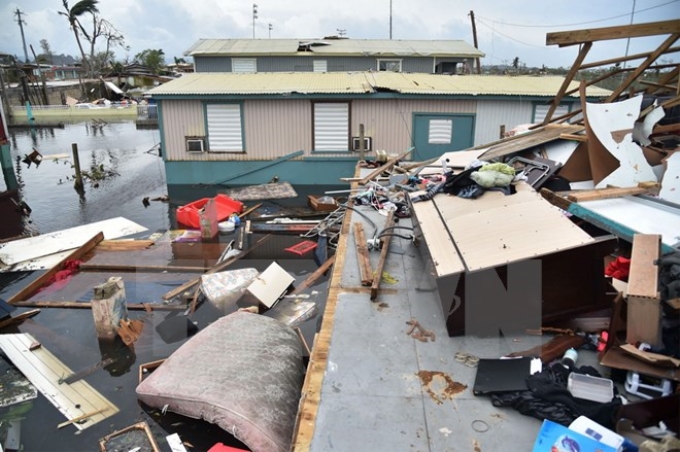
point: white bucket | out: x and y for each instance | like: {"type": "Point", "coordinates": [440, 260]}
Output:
{"type": "Point", "coordinates": [226, 227]}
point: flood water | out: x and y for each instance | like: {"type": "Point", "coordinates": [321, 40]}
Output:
{"type": "Point", "coordinates": [70, 333]}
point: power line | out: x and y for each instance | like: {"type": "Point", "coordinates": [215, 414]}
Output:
{"type": "Point", "coordinates": [507, 36]}
{"type": "Point", "coordinates": [575, 24]}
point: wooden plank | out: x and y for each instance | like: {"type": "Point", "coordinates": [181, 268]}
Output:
{"type": "Point", "coordinates": [217, 268]}
{"type": "Point", "coordinates": [124, 245]}
{"type": "Point", "coordinates": [386, 167]}
{"type": "Point", "coordinates": [88, 305]}
{"type": "Point", "coordinates": [605, 193]}
{"type": "Point", "coordinates": [44, 371]}
{"type": "Point", "coordinates": [59, 241]}
{"type": "Point", "coordinates": [362, 254]}
{"type": "Point", "coordinates": [571, 136]}
{"type": "Point", "coordinates": [528, 140]}
{"type": "Point", "coordinates": [311, 279]}
{"type": "Point", "coordinates": [377, 277]}
{"type": "Point", "coordinates": [90, 267]}
{"type": "Point", "coordinates": [567, 38]}
{"type": "Point", "coordinates": [318, 360]}
{"type": "Point", "coordinates": [19, 318]}
{"type": "Point", "coordinates": [643, 279]}
{"type": "Point", "coordinates": [567, 81]}
{"type": "Point", "coordinates": [249, 210]}
{"type": "Point", "coordinates": [442, 250]}
{"type": "Point", "coordinates": [33, 287]}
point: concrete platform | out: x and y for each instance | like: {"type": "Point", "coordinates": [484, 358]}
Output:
{"type": "Point", "coordinates": [372, 387]}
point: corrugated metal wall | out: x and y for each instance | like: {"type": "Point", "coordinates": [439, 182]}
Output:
{"type": "Point", "coordinates": [492, 114]}
{"type": "Point", "coordinates": [305, 64]}
{"type": "Point", "coordinates": [273, 128]}
{"type": "Point", "coordinates": [212, 64]}
{"type": "Point", "coordinates": [390, 121]}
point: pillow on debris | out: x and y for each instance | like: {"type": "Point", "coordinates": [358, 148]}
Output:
{"type": "Point", "coordinates": [243, 372]}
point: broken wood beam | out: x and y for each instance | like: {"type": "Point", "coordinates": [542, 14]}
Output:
{"type": "Point", "coordinates": [311, 279]}
{"type": "Point", "coordinates": [571, 136]}
{"type": "Point", "coordinates": [249, 210]}
{"type": "Point", "coordinates": [377, 277]}
{"type": "Point", "coordinates": [91, 267]}
{"type": "Point", "coordinates": [148, 367]}
{"type": "Point", "coordinates": [607, 193]}
{"type": "Point", "coordinates": [219, 267]}
{"type": "Point", "coordinates": [386, 167]}
{"type": "Point", "coordinates": [87, 371]}
{"type": "Point", "coordinates": [19, 318]}
{"type": "Point", "coordinates": [568, 38]}
{"type": "Point", "coordinates": [88, 305]}
{"type": "Point", "coordinates": [362, 254]}
{"type": "Point", "coordinates": [33, 287]}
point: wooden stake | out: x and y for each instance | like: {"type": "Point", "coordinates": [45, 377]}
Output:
{"type": "Point", "coordinates": [76, 163]}
{"type": "Point", "coordinates": [19, 318]}
{"type": "Point", "coordinates": [311, 279]}
{"type": "Point", "coordinates": [80, 418]}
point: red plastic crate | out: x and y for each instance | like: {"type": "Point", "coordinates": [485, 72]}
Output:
{"type": "Point", "coordinates": [188, 214]}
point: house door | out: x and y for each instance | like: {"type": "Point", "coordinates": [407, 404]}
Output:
{"type": "Point", "coordinates": [437, 133]}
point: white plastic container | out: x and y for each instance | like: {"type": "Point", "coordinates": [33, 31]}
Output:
{"type": "Point", "coordinates": [226, 227]}
{"type": "Point", "coordinates": [590, 388]}
{"type": "Point", "coordinates": [588, 427]}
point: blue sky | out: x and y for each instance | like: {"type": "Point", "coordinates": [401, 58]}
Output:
{"type": "Point", "coordinates": [506, 29]}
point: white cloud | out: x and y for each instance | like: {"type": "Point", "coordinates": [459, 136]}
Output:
{"type": "Point", "coordinates": [175, 25]}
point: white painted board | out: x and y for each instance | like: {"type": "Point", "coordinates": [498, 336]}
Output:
{"type": "Point", "coordinates": [29, 248]}
{"type": "Point", "coordinates": [670, 184]}
{"type": "Point", "coordinates": [44, 371]}
{"type": "Point", "coordinates": [271, 284]}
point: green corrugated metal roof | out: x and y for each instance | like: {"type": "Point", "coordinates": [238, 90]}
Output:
{"type": "Point", "coordinates": [334, 47]}
{"type": "Point", "coordinates": [264, 83]}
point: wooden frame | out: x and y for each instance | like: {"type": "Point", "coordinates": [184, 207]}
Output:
{"type": "Point", "coordinates": [138, 426]}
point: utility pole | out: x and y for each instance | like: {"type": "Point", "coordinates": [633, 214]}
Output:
{"type": "Point", "coordinates": [474, 38]}
{"type": "Point", "coordinates": [254, 17]}
{"type": "Point", "coordinates": [390, 19]}
{"type": "Point", "coordinates": [21, 23]}
{"type": "Point", "coordinates": [632, 15]}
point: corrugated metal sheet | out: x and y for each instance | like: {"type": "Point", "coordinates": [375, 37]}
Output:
{"type": "Point", "coordinates": [363, 47]}
{"type": "Point", "coordinates": [212, 64]}
{"type": "Point", "coordinates": [492, 114]}
{"type": "Point", "coordinates": [366, 82]}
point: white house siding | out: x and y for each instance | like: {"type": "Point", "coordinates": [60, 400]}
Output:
{"type": "Point", "coordinates": [274, 128]}
{"type": "Point", "coordinates": [390, 121]}
{"type": "Point", "coordinates": [182, 119]}
{"type": "Point", "coordinates": [492, 114]}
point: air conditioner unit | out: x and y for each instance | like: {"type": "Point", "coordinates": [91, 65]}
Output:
{"type": "Point", "coordinates": [195, 144]}
{"type": "Point", "coordinates": [367, 143]}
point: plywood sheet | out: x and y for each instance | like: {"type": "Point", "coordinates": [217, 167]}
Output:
{"type": "Point", "coordinates": [437, 238]}
{"type": "Point", "coordinates": [29, 248]}
{"type": "Point", "coordinates": [271, 284]}
{"type": "Point", "coordinates": [44, 371]}
{"type": "Point", "coordinates": [498, 231]}
{"type": "Point", "coordinates": [529, 140]}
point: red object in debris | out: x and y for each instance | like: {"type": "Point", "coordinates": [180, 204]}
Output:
{"type": "Point", "coordinates": [618, 268]}
{"type": "Point", "coordinates": [302, 247]}
{"type": "Point", "coordinates": [61, 278]}
{"type": "Point", "coordinates": [188, 215]}
{"type": "Point", "coordinates": [604, 337]}
{"type": "Point", "coordinates": [219, 447]}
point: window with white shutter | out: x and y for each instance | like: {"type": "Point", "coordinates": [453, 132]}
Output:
{"type": "Point", "coordinates": [440, 131]}
{"type": "Point", "coordinates": [320, 65]}
{"type": "Point", "coordinates": [224, 128]}
{"type": "Point", "coordinates": [331, 126]}
{"type": "Point", "coordinates": [540, 110]}
{"type": "Point", "coordinates": [243, 65]}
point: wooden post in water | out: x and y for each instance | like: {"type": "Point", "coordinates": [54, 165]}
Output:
{"type": "Point", "coordinates": [76, 163]}
{"type": "Point", "coordinates": [109, 307]}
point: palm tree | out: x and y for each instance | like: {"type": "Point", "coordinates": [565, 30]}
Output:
{"type": "Point", "coordinates": [72, 14]}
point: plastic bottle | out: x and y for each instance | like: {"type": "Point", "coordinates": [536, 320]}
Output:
{"type": "Point", "coordinates": [569, 359]}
